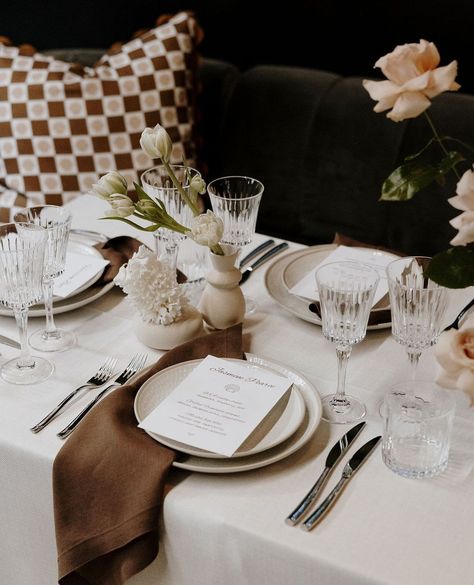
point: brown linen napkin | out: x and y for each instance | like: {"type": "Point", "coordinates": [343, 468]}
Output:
{"type": "Point", "coordinates": [108, 480]}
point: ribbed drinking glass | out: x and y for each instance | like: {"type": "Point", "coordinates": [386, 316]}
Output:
{"type": "Point", "coordinates": [22, 250]}
{"type": "Point", "coordinates": [346, 292]}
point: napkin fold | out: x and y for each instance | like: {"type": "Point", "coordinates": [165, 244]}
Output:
{"type": "Point", "coordinates": [118, 251]}
{"type": "Point", "coordinates": [109, 478]}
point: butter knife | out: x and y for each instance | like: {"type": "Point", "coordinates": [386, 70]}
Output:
{"type": "Point", "coordinates": [247, 271]}
{"type": "Point", "coordinates": [258, 250]}
{"type": "Point", "coordinates": [10, 342]}
{"type": "Point", "coordinates": [334, 456]}
{"type": "Point", "coordinates": [350, 468]}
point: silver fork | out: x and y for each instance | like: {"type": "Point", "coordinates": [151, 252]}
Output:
{"type": "Point", "coordinates": [135, 365]}
{"type": "Point", "coordinates": [103, 374]}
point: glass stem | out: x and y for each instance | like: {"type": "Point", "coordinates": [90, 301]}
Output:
{"type": "Point", "coordinates": [413, 358]}
{"type": "Point", "coordinates": [166, 249]}
{"type": "Point", "coordinates": [50, 331]}
{"type": "Point", "coordinates": [343, 353]}
{"type": "Point", "coordinates": [25, 360]}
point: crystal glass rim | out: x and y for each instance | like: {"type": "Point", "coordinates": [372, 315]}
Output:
{"type": "Point", "coordinates": [143, 180]}
{"type": "Point", "coordinates": [27, 225]}
{"type": "Point", "coordinates": [252, 179]}
{"type": "Point", "coordinates": [66, 212]}
{"type": "Point", "coordinates": [449, 404]}
{"type": "Point", "coordinates": [393, 279]}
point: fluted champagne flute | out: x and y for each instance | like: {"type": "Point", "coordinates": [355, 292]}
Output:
{"type": "Point", "coordinates": [56, 221]}
{"type": "Point", "coordinates": [346, 292]}
{"type": "Point", "coordinates": [22, 250]}
{"type": "Point", "coordinates": [236, 200]}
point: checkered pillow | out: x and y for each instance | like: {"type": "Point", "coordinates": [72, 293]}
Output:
{"type": "Point", "coordinates": [62, 125]}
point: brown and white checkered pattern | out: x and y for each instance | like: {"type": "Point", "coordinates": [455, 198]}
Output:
{"type": "Point", "coordinates": [62, 126]}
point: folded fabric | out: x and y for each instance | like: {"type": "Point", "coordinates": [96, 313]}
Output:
{"type": "Point", "coordinates": [109, 477]}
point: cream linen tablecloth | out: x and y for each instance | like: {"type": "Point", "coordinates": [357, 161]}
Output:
{"type": "Point", "coordinates": [384, 530]}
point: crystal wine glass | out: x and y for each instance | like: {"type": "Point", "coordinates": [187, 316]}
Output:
{"type": "Point", "coordinates": [236, 200]}
{"type": "Point", "coordinates": [22, 249]}
{"type": "Point", "coordinates": [56, 221]}
{"type": "Point", "coordinates": [346, 292]}
{"type": "Point", "coordinates": [417, 304]}
{"type": "Point", "coordinates": [158, 185]}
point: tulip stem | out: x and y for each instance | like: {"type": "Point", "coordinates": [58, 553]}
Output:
{"type": "Point", "coordinates": [439, 140]}
{"type": "Point", "coordinates": [178, 186]}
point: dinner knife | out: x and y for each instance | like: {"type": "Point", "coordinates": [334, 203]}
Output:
{"type": "Point", "coordinates": [350, 468]}
{"type": "Point", "coordinates": [334, 456]}
{"type": "Point", "coordinates": [247, 271]}
{"type": "Point", "coordinates": [258, 250]}
{"type": "Point", "coordinates": [10, 342]}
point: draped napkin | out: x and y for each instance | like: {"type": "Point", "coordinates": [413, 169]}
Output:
{"type": "Point", "coordinates": [109, 477]}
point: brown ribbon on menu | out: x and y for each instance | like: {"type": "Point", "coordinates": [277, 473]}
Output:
{"type": "Point", "coordinates": [109, 480]}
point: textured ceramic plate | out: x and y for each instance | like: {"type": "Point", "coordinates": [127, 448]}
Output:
{"type": "Point", "coordinates": [286, 271]}
{"type": "Point", "coordinates": [275, 428]}
{"type": "Point", "coordinates": [297, 440]}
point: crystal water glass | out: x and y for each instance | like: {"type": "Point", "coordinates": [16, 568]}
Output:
{"type": "Point", "coordinates": [346, 292]}
{"type": "Point", "coordinates": [417, 305]}
{"type": "Point", "coordinates": [236, 200]}
{"type": "Point", "coordinates": [159, 186]}
{"type": "Point", "coordinates": [22, 251]}
{"type": "Point", "coordinates": [56, 221]}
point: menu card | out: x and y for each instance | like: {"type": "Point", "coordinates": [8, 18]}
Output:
{"type": "Point", "coordinates": [217, 406]}
{"type": "Point", "coordinates": [376, 259]}
{"type": "Point", "coordinates": [79, 269]}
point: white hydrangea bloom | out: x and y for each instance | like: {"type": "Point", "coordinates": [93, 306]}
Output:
{"type": "Point", "coordinates": [152, 288]}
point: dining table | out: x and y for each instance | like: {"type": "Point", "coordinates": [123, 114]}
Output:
{"type": "Point", "coordinates": [227, 525]}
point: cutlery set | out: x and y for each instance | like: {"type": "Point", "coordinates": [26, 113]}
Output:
{"type": "Point", "coordinates": [247, 268]}
{"type": "Point", "coordinates": [103, 375]}
{"type": "Point", "coordinates": [334, 456]}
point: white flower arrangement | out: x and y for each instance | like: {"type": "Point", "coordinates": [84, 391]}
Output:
{"type": "Point", "coordinates": [152, 288]}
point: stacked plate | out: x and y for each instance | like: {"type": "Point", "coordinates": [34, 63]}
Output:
{"type": "Point", "coordinates": [285, 430]}
{"type": "Point", "coordinates": [289, 269]}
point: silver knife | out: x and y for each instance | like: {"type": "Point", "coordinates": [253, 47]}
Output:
{"type": "Point", "coordinates": [258, 250]}
{"type": "Point", "coordinates": [350, 468]}
{"type": "Point", "coordinates": [333, 458]}
{"type": "Point", "coordinates": [247, 271]}
{"type": "Point", "coordinates": [10, 342]}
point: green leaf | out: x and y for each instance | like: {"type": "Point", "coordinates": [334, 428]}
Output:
{"type": "Point", "coordinates": [453, 268]}
{"type": "Point", "coordinates": [150, 228]}
{"type": "Point", "coordinates": [405, 181]}
{"type": "Point", "coordinates": [141, 193]}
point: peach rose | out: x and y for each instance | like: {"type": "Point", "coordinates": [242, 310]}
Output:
{"type": "Point", "coordinates": [464, 200]}
{"type": "Point", "coordinates": [413, 78]}
{"type": "Point", "coordinates": [455, 354]}
{"type": "Point", "coordinates": [464, 223]}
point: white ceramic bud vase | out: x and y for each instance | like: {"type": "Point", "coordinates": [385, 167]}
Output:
{"type": "Point", "coordinates": [222, 303]}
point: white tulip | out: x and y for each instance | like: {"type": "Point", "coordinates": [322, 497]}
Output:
{"type": "Point", "coordinates": [122, 206]}
{"type": "Point", "coordinates": [197, 184]}
{"type": "Point", "coordinates": [206, 229]}
{"type": "Point", "coordinates": [110, 184]}
{"type": "Point", "coordinates": [156, 143]}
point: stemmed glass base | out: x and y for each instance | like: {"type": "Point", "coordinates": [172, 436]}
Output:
{"type": "Point", "coordinates": [31, 371]}
{"type": "Point", "coordinates": [57, 340]}
{"type": "Point", "coordinates": [342, 410]}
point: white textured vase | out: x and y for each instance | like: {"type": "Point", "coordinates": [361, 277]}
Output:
{"type": "Point", "coordinates": [187, 327]}
{"type": "Point", "coordinates": [222, 303]}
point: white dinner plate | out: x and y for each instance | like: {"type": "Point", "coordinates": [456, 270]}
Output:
{"type": "Point", "coordinates": [289, 269]}
{"type": "Point", "coordinates": [275, 428]}
{"type": "Point", "coordinates": [84, 295]}
{"type": "Point", "coordinates": [303, 434]}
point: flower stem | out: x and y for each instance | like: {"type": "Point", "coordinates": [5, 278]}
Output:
{"type": "Point", "coordinates": [178, 186]}
{"type": "Point", "coordinates": [439, 140]}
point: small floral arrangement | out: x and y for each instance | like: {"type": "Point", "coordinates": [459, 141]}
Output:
{"type": "Point", "coordinates": [206, 228]}
{"type": "Point", "coordinates": [152, 288]}
{"type": "Point", "coordinates": [413, 80]}
{"type": "Point", "coordinates": [455, 354]}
